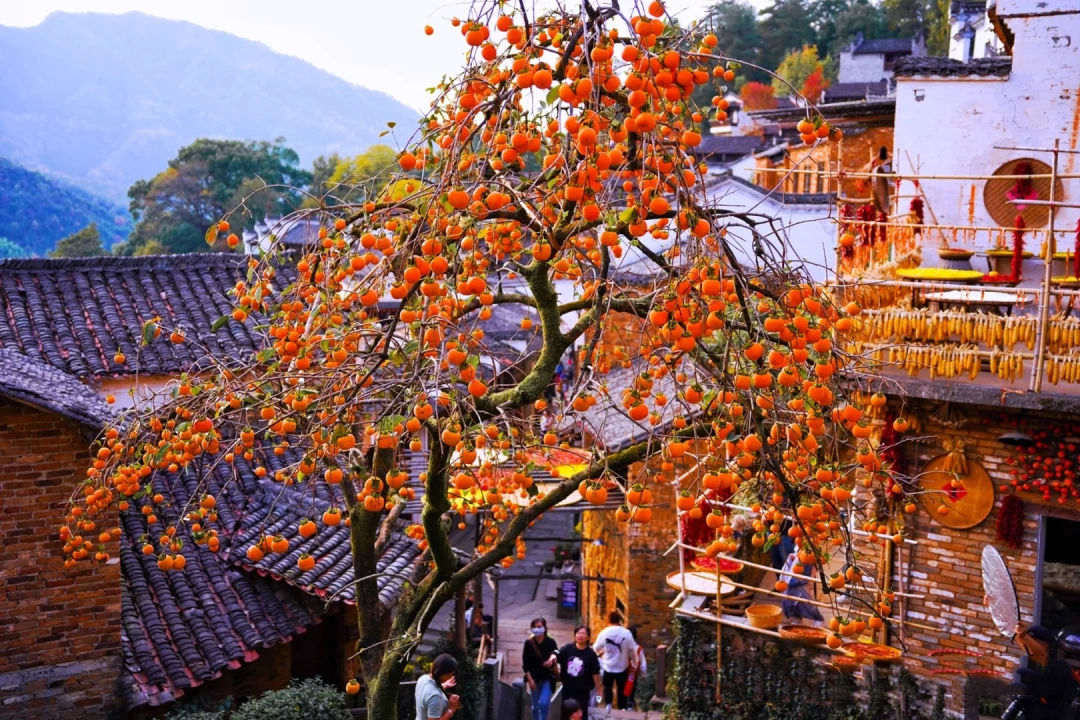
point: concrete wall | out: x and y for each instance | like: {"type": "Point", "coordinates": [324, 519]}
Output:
{"type": "Point", "coordinates": [59, 628]}
{"type": "Point", "coordinates": [868, 67]}
{"type": "Point", "coordinates": [954, 129]}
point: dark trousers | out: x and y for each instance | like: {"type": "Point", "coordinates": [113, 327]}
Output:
{"type": "Point", "coordinates": [619, 681]}
{"type": "Point", "coordinates": [582, 697]}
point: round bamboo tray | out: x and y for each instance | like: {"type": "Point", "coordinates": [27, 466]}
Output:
{"type": "Point", "coordinates": [868, 652]}
{"type": "Point", "coordinates": [764, 616]}
{"type": "Point", "coordinates": [805, 634]}
{"type": "Point", "coordinates": [951, 254]}
{"type": "Point", "coordinates": [727, 566]}
{"type": "Point", "coordinates": [699, 583]}
{"type": "Point", "coordinates": [968, 506]}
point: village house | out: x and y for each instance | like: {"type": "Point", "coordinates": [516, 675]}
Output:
{"type": "Point", "coordinates": [125, 638]}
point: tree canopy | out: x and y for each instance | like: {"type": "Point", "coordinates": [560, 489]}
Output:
{"type": "Point", "coordinates": [379, 341]}
{"type": "Point", "coordinates": [84, 243]}
{"type": "Point", "coordinates": [794, 70]}
{"type": "Point", "coordinates": [204, 181]}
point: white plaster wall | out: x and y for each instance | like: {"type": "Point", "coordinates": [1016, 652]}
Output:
{"type": "Point", "coordinates": [809, 230]}
{"type": "Point", "coordinates": [955, 129]}
{"type": "Point", "coordinates": [862, 68]}
{"type": "Point", "coordinates": [986, 41]}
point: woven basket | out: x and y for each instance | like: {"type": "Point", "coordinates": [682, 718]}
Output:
{"type": "Point", "coordinates": [765, 617]}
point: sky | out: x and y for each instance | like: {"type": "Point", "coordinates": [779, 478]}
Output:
{"type": "Point", "coordinates": [379, 44]}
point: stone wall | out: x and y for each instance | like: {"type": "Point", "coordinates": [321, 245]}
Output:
{"type": "Point", "coordinates": [59, 628]}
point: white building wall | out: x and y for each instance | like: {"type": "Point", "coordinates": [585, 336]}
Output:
{"type": "Point", "coordinates": [862, 68]}
{"type": "Point", "coordinates": [959, 122]}
{"type": "Point", "coordinates": [986, 42]}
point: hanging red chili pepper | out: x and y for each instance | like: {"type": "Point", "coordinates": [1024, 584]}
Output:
{"type": "Point", "coordinates": [1010, 522]}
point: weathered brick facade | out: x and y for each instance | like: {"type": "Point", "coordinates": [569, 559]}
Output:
{"type": "Point", "coordinates": [946, 564]}
{"type": "Point", "coordinates": [60, 629]}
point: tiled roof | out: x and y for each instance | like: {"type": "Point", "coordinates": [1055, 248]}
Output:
{"type": "Point", "coordinates": [839, 92]}
{"type": "Point", "coordinates": [183, 628]}
{"type": "Point", "coordinates": [738, 145]}
{"type": "Point", "coordinates": [75, 313]}
{"type": "Point", "coordinates": [883, 45]}
{"type": "Point", "coordinates": [948, 67]}
{"type": "Point", "coordinates": [35, 383]}
{"type": "Point", "coordinates": [273, 512]}
{"type": "Point", "coordinates": [608, 422]}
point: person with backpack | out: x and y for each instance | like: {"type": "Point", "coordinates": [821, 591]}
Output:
{"type": "Point", "coordinates": [539, 666]}
{"type": "Point", "coordinates": [617, 650]}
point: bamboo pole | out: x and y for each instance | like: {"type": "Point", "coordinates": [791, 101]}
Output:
{"type": "Point", "coordinates": [1044, 308]}
{"type": "Point", "coordinates": [779, 573]}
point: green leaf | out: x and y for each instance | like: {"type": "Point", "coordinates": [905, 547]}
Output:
{"type": "Point", "coordinates": [219, 322]}
{"type": "Point", "coordinates": [391, 125]}
{"type": "Point", "coordinates": [473, 361]}
{"type": "Point", "coordinates": [770, 543]}
{"type": "Point", "coordinates": [264, 355]}
{"type": "Point", "coordinates": [627, 215]}
{"type": "Point", "coordinates": [148, 329]}
{"type": "Point", "coordinates": [388, 423]}
{"type": "Point", "coordinates": [211, 234]}
{"type": "Point", "coordinates": [552, 94]}
{"type": "Point", "coordinates": [532, 490]}
{"type": "Point", "coordinates": [384, 132]}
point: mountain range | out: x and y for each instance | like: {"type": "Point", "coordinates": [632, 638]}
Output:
{"type": "Point", "coordinates": [37, 210]}
{"type": "Point", "coordinates": [105, 100]}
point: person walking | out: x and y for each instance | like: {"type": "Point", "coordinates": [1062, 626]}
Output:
{"type": "Point", "coordinates": [617, 650]}
{"type": "Point", "coordinates": [638, 667]}
{"type": "Point", "coordinates": [579, 669]}
{"type": "Point", "coordinates": [539, 666]}
{"type": "Point", "coordinates": [431, 700]}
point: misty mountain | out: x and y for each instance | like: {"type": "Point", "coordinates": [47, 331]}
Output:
{"type": "Point", "coordinates": [37, 210]}
{"type": "Point", "coordinates": [105, 100]}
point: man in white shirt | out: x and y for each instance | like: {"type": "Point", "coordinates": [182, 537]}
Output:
{"type": "Point", "coordinates": [617, 650]}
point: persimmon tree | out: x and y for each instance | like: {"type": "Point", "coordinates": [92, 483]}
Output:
{"type": "Point", "coordinates": [565, 142]}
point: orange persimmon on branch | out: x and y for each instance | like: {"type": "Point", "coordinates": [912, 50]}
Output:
{"type": "Point", "coordinates": [551, 191]}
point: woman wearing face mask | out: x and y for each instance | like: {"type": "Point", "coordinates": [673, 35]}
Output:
{"type": "Point", "coordinates": [537, 662]}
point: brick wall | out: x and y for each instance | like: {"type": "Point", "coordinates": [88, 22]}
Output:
{"type": "Point", "coordinates": [946, 564]}
{"type": "Point", "coordinates": [59, 629]}
{"type": "Point", "coordinates": [635, 554]}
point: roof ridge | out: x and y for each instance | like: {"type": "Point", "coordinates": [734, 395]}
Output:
{"type": "Point", "coordinates": [121, 261]}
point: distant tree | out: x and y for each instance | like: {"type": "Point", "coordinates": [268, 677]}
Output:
{"type": "Point", "coordinates": [151, 247]}
{"type": "Point", "coordinates": [937, 33]}
{"type": "Point", "coordinates": [321, 171]}
{"type": "Point", "coordinates": [785, 27]}
{"type": "Point", "coordinates": [84, 243]}
{"type": "Point", "coordinates": [795, 68]}
{"type": "Point", "coordinates": [208, 179]}
{"type": "Point", "coordinates": [735, 24]}
{"type": "Point", "coordinates": [9, 249]}
{"type": "Point", "coordinates": [905, 18]}
{"type": "Point", "coordinates": [860, 16]}
{"type": "Point", "coordinates": [815, 84]}
{"type": "Point", "coordinates": [758, 96]}
{"type": "Point", "coordinates": [362, 176]}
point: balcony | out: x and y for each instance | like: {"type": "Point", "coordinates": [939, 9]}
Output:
{"type": "Point", "coordinates": [963, 312]}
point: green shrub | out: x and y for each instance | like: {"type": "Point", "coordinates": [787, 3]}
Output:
{"type": "Point", "coordinates": [302, 700]}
